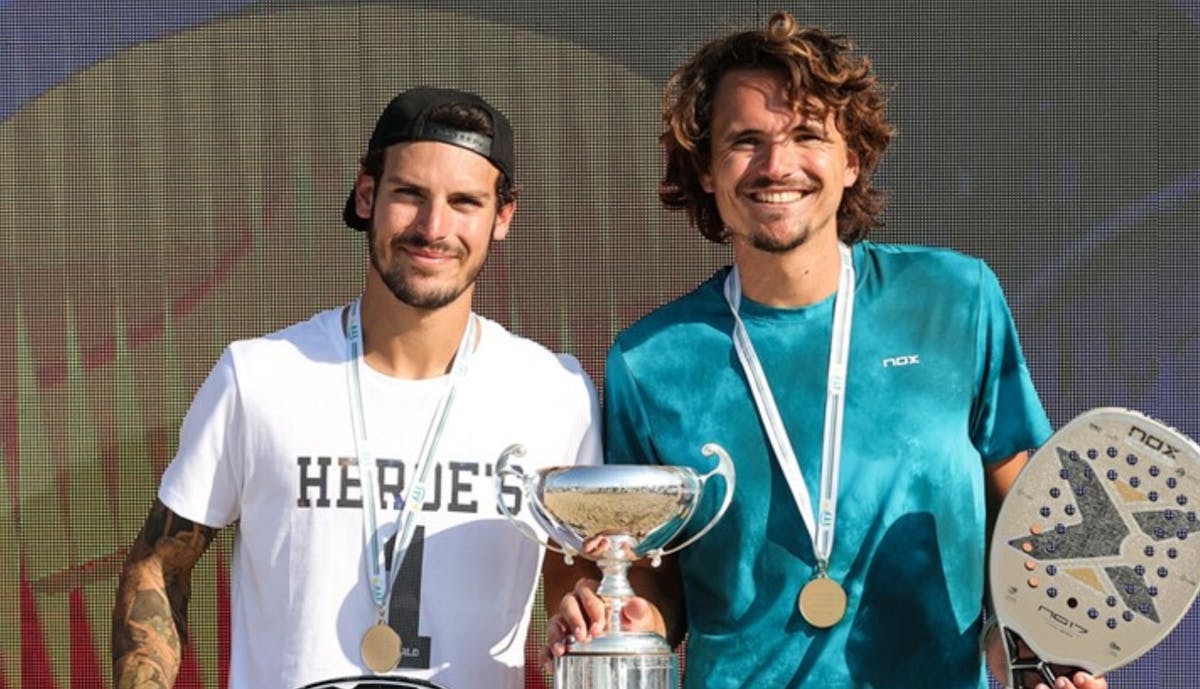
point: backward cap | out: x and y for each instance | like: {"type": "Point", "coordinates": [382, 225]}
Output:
{"type": "Point", "coordinates": [406, 118]}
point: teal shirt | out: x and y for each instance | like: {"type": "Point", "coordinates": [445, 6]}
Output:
{"type": "Point", "coordinates": [937, 388]}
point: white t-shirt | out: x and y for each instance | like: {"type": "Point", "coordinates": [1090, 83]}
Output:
{"type": "Point", "coordinates": [269, 443]}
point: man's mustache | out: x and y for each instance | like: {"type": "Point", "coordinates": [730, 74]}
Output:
{"type": "Point", "coordinates": [416, 241]}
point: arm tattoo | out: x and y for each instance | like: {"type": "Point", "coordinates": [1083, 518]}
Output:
{"type": "Point", "coordinates": [150, 615]}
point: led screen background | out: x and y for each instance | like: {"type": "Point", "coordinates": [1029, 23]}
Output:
{"type": "Point", "coordinates": [171, 176]}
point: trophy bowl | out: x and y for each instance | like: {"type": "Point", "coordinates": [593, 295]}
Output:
{"type": "Point", "coordinates": [648, 504]}
{"type": "Point", "coordinates": [614, 515]}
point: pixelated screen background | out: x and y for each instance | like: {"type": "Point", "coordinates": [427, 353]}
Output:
{"type": "Point", "coordinates": [171, 176]}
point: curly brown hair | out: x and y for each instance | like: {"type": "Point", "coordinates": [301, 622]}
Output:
{"type": "Point", "coordinates": [821, 72]}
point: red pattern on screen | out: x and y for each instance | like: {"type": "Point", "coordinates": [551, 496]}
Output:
{"type": "Point", "coordinates": [86, 669]}
{"type": "Point", "coordinates": [36, 667]}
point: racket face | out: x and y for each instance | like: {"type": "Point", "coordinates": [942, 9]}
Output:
{"type": "Point", "coordinates": [1095, 556]}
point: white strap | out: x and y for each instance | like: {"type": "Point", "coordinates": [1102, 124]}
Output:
{"type": "Point", "coordinates": [821, 530]}
{"type": "Point", "coordinates": [380, 580]}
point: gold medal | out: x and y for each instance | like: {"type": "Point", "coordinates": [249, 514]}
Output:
{"type": "Point", "coordinates": [381, 648]}
{"type": "Point", "coordinates": [822, 602]}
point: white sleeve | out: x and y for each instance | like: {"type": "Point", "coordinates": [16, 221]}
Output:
{"type": "Point", "coordinates": [203, 482]}
{"type": "Point", "coordinates": [585, 434]}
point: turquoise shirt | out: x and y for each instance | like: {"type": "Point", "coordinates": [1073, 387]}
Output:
{"type": "Point", "coordinates": [937, 388]}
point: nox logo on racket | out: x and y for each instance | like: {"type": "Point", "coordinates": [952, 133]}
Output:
{"type": "Point", "coordinates": [1153, 442]}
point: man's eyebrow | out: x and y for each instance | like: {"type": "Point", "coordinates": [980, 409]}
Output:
{"type": "Point", "coordinates": [398, 180]}
{"type": "Point", "coordinates": [479, 194]}
{"type": "Point", "coordinates": [811, 125]}
{"type": "Point", "coordinates": [739, 133]}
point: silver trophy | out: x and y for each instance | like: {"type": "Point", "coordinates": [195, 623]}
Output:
{"type": "Point", "coordinates": [615, 515]}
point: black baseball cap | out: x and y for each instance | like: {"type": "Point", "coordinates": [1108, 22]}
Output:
{"type": "Point", "coordinates": [406, 118]}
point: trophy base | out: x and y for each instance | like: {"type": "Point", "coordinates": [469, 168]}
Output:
{"type": "Point", "coordinates": [633, 661]}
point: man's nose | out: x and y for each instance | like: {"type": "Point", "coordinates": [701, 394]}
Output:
{"type": "Point", "coordinates": [433, 222]}
{"type": "Point", "coordinates": [778, 159]}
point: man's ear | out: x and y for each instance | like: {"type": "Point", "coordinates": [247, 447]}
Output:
{"type": "Point", "coordinates": [852, 168]}
{"type": "Point", "coordinates": [364, 195]}
{"type": "Point", "coordinates": [504, 218]}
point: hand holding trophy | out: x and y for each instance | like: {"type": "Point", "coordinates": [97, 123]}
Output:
{"type": "Point", "coordinates": [615, 515]}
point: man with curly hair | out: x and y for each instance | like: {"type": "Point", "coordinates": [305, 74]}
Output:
{"type": "Point", "coordinates": [874, 397]}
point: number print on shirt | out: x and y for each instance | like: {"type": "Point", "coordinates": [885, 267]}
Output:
{"type": "Point", "coordinates": [404, 609]}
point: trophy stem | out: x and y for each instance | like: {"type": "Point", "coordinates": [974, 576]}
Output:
{"type": "Point", "coordinates": [615, 588]}
{"type": "Point", "coordinates": [615, 606]}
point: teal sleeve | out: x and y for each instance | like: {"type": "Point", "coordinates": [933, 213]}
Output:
{"type": "Point", "coordinates": [1006, 416]}
{"type": "Point", "coordinates": [627, 435]}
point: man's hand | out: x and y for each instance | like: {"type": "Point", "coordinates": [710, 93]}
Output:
{"type": "Point", "coordinates": [582, 616]}
{"type": "Point", "coordinates": [1066, 677]}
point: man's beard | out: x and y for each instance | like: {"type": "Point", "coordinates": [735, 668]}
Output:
{"type": "Point", "coordinates": [398, 280]}
{"type": "Point", "coordinates": [764, 242]}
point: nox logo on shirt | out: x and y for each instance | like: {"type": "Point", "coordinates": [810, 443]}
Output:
{"type": "Point", "coordinates": [328, 482]}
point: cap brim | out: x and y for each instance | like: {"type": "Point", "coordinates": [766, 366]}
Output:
{"type": "Point", "coordinates": [350, 215]}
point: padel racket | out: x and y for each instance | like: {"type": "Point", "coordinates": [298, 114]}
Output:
{"type": "Point", "coordinates": [1095, 555]}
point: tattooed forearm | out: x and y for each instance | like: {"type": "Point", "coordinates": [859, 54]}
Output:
{"type": "Point", "coordinates": [150, 614]}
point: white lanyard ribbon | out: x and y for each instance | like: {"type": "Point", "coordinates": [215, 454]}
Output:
{"type": "Point", "coordinates": [381, 581]}
{"type": "Point", "coordinates": [820, 530]}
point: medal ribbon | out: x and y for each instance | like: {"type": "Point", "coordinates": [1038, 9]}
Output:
{"type": "Point", "coordinates": [820, 530]}
{"type": "Point", "coordinates": [381, 581]}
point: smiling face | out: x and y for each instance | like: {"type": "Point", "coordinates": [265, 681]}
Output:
{"type": "Point", "coordinates": [433, 218]}
{"type": "Point", "coordinates": [777, 176]}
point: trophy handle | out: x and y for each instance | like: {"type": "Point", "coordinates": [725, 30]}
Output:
{"type": "Point", "coordinates": [724, 469]}
{"type": "Point", "coordinates": [503, 469]}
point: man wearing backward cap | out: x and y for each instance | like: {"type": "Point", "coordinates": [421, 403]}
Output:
{"type": "Point", "coordinates": [356, 450]}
